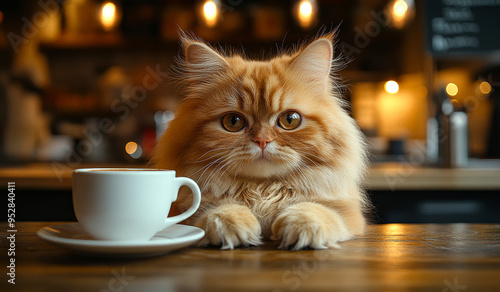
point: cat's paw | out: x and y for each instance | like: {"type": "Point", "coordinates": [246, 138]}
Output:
{"type": "Point", "coordinates": [229, 226]}
{"type": "Point", "coordinates": [309, 225]}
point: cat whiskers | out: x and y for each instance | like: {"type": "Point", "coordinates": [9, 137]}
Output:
{"type": "Point", "coordinates": [216, 161]}
{"type": "Point", "coordinates": [288, 157]}
{"type": "Point", "coordinates": [300, 172]}
{"type": "Point", "coordinates": [206, 167]}
{"type": "Point", "coordinates": [218, 167]}
{"type": "Point", "coordinates": [208, 158]}
{"type": "Point", "coordinates": [233, 165]}
{"type": "Point", "coordinates": [306, 154]}
{"type": "Point", "coordinates": [214, 171]}
{"type": "Point", "coordinates": [237, 172]}
{"type": "Point", "coordinates": [305, 163]}
{"type": "Point", "coordinates": [218, 172]}
{"type": "Point", "coordinates": [310, 161]}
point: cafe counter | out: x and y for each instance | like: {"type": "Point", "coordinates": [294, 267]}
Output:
{"type": "Point", "coordinates": [400, 193]}
{"type": "Point", "coordinates": [381, 176]}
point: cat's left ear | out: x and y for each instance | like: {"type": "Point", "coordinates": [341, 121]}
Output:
{"type": "Point", "coordinates": [314, 62]}
{"type": "Point", "coordinates": [198, 53]}
{"type": "Point", "coordinates": [202, 61]}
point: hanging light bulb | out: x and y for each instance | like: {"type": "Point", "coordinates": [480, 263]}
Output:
{"type": "Point", "coordinates": [400, 12]}
{"type": "Point", "coordinates": [391, 86]}
{"type": "Point", "coordinates": [110, 16]}
{"type": "Point", "coordinates": [306, 13]}
{"type": "Point", "coordinates": [210, 12]}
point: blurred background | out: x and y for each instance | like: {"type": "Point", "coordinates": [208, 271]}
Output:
{"type": "Point", "coordinates": [86, 83]}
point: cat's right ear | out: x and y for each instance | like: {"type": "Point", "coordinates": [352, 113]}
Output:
{"type": "Point", "coordinates": [202, 58]}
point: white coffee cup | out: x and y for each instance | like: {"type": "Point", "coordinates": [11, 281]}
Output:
{"type": "Point", "coordinates": [128, 204]}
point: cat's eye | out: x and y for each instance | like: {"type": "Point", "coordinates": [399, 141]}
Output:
{"type": "Point", "coordinates": [233, 122]}
{"type": "Point", "coordinates": [289, 120]}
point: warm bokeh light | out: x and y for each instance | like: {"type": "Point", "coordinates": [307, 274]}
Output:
{"type": "Point", "coordinates": [484, 87]}
{"type": "Point", "coordinates": [131, 147]}
{"type": "Point", "coordinates": [451, 89]}
{"type": "Point", "coordinates": [391, 86]}
{"type": "Point", "coordinates": [210, 13]}
{"type": "Point", "coordinates": [305, 9]}
{"type": "Point", "coordinates": [108, 16]}
{"type": "Point", "coordinates": [1, 16]}
{"type": "Point", "coordinates": [306, 13]}
{"type": "Point", "coordinates": [399, 10]}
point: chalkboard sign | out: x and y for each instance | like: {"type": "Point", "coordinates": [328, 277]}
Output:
{"type": "Point", "coordinates": [462, 27]}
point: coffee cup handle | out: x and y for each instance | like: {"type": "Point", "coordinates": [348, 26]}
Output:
{"type": "Point", "coordinates": [184, 181]}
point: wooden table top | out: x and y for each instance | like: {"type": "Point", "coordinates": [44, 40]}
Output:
{"type": "Point", "coordinates": [392, 257]}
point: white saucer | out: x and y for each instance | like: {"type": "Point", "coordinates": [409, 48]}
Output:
{"type": "Point", "coordinates": [72, 236]}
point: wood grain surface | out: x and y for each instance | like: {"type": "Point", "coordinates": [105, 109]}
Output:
{"type": "Point", "coordinates": [392, 257]}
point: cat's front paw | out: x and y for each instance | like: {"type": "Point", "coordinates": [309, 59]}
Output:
{"type": "Point", "coordinates": [229, 226]}
{"type": "Point", "coordinates": [309, 225]}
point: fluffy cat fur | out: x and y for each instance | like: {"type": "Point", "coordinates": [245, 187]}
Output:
{"type": "Point", "coordinates": [300, 186]}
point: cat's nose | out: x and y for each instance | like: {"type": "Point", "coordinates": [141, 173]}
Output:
{"type": "Point", "coordinates": [262, 142]}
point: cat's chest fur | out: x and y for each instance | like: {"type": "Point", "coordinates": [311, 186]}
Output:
{"type": "Point", "coordinates": [264, 199]}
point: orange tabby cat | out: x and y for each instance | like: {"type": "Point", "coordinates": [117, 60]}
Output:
{"type": "Point", "coordinates": [271, 146]}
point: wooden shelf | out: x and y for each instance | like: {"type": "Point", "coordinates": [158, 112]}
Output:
{"type": "Point", "coordinates": [84, 42]}
{"type": "Point", "coordinates": [105, 42]}
{"type": "Point", "coordinates": [117, 41]}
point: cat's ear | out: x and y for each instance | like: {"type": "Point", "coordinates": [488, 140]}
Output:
{"type": "Point", "coordinates": [314, 62]}
{"type": "Point", "coordinates": [201, 57]}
